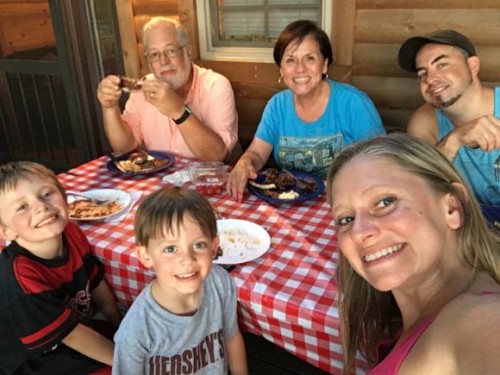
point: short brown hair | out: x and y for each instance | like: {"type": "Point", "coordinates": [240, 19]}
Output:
{"type": "Point", "coordinates": [297, 31]}
{"type": "Point", "coordinates": [167, 207]}
{"type": "Point", "coordinates": [11, 173]}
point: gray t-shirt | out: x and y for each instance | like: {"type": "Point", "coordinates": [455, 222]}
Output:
{"type": "Point", "coordinates": [153, 341]}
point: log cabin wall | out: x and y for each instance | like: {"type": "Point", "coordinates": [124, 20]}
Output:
{"type": "Point", "coordinates": [24, 25]}
{"type": "Point", "coordinates": [366, 37]}
{"type": "Point", "coordinates": [381, 26]}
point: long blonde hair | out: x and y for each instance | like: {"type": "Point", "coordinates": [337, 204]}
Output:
{"type": "Point", "coordinates": [369, 316]}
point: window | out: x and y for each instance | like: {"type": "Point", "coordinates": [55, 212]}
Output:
{"type": "Point", "coordinates": [247, 29]}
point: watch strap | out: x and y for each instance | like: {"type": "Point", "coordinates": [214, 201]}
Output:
{"type": "Point", "coordinates": [184, 117]}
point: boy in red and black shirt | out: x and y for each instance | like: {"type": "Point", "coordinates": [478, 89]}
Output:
{"type": "Point", "coordinates": [50, 283]}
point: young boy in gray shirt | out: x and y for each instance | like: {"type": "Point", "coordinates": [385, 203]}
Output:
{"type": "Point", "coordinates": [185, 321]}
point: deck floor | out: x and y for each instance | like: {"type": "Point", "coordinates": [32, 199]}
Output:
{"type": "Point", "coordinates": [265, 358]}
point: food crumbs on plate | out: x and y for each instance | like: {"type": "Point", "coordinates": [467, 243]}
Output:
{"type": "Point", "coordinates": [235, 241]}
{"type": "Point", "coordinates": [291, 194]}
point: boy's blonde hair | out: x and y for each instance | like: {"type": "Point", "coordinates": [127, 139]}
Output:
{"type": "Point", "coordinates": [161, 211]}
{"type": "Point", "coordinates": [13, 172]}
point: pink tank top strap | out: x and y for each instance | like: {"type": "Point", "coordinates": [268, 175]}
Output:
{"type": "Point", "coordinates": [390, 365]}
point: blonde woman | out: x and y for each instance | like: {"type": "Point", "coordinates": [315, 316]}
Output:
{"type": "Point", "coordinates": [420, 271]}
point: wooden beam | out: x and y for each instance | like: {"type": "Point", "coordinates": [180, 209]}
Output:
{"type": "Point", "coordinates": [344, 20]}
{"type": "Point", "coordinates": [187, 15]}
{"type": "Point", "coordinates": [394, 93]}
{"type": "Point", "coordinates": [25, 26]}
{"type": "Point", "coordinates": [152, 7]}
{"type": "Point", "coordinates": [23, 9]}
{"type": "Point", "coordinates": [265, 73]}
{"type": "Point", "coordinates": [427, 4]}
{"type": "Point", "coordinates": [11, 2]}
{"type": "Point", "coordinates": [396, 25]}
{"type": "Point", "coordinates": [380, 59]}
{"type": "Point", "coordinates": [125, 14]}
{"type": "Point", "coordinates": [395, 119]}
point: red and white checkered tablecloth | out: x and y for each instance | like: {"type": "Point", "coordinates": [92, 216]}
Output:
{"type": "Point", "coordinates": [286, 296]}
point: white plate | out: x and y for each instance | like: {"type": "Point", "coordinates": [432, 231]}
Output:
{"type": "Point", "coordinates": [111, 195]}
{"type": "Point", "coordinates": [241, 241]}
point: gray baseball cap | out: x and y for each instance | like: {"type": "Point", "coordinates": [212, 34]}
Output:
{"type": "Point", "coordinates": [410, 48]}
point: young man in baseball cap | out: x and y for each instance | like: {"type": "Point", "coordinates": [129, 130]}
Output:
{"type": "Point", "coordinates": [461, 117]}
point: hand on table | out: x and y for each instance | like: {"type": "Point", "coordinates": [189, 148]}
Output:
{"type": "Point", "coordinates": [237, 180]}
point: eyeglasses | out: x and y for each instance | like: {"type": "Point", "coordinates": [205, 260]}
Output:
{"type": "Point", "coordinates": [170, 53]}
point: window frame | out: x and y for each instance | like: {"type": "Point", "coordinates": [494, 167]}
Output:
{"type": "Point", "coordinates": [251, 54]}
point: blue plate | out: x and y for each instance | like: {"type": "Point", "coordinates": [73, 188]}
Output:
{"type": "Point", "coordinates": [491, 213]}
{"type": "Point", "coordinates": [158, 155]}
{"type": "Point", "coordinates": [320, 188]}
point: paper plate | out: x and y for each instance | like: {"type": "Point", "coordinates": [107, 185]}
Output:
{"type": "Point", "coordinates": [114, 196]}
{"type": "Point", "coordinates": [111, 165]}
{"type": "Point", "coordinates": [241, 241]}
{"type": "Point", "coordinates": [303, 196]}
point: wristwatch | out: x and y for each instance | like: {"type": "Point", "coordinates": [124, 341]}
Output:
{"type": "Point", "coordinates": [185, 115]}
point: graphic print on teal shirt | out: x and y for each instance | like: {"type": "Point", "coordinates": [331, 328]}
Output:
{"type": "Point", "coordinates": [349, 116]}
{"type": "Point", "coordinates": [312, 155]}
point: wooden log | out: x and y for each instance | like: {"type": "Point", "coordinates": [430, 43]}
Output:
{"type": "Point", "coordinates": [248, 90]}
{"type": "Point", "coordinates": [155, 7]}
{"type": "Point", "coordinates": [341, 73]}
{"type": "Point", "coordinates": [13, 9]}
{"type": "Point", "coordinates": [249, 115]}
{"type": "Point", "coordinates": [244, 71]}
{"type": "Point", "coordinates": [24, 26]}
{"type": "Point", "coordinates": [426, 4]}
{"type": "Point", "coordinates": [125, 15]}
{"type": "Point", "coordinates": [395, 120]}
{"type": "Point", "coordinates": [25, 32]}
{"type": "Point", "coordinates": [377, 59]}
{"type": "Point", "coordinates": [16, 2]}
{"type": "Point", "coordinates": [388, 92]}
{"type": "Point", "coordinates": [344, 20]}
{"type": "Point", "coordinates": [490, 63]}
{"type": "Point", "coordinates": [482, 26]}
{"type": "Point", "coordinates": [187, 15]}
{"type": "Point", "coordinates": [266, 73]}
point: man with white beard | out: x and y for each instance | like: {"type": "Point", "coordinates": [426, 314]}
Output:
{"type": "Point", "coordinates": [179, 108]}
{"type": "Point", "coordinates": [461, 117]}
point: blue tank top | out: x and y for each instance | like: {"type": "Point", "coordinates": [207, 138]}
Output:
{"type": "Point", "coordinates": [480, 169]}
